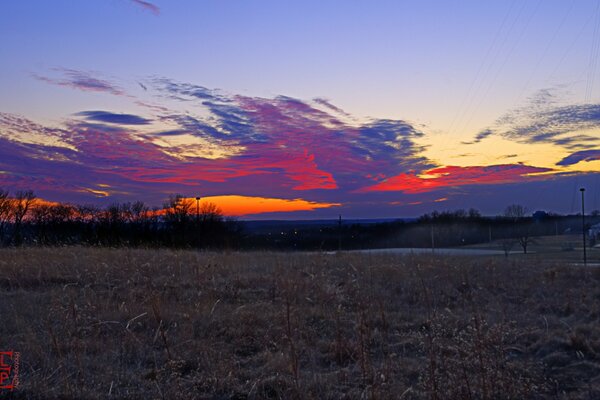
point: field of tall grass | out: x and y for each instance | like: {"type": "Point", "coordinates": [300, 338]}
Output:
{"type": "Point", "coordinates": [160, 324]}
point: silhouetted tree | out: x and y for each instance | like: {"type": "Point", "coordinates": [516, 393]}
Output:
{"type": "Point", "coordinates": [515, 212]}
{"type": "Point", "coordinates": [521, 226]}
{"type": "Point", "coordinates": [210, 212]}
{"type": "Point", "coordinates": [52, 222]}
{"type": "Point", "coordinates": [21, 205]}
{"type": "Point", "coordinates": [210, 227]}
{"type": "Point", "coordinates": [5, 213]}
{"type": "Point", "coordinates": [86, 218]}
{"type": "Point", "coordinates": [142, 223]}
{"type": "Point", "coordinates": [178, 219]}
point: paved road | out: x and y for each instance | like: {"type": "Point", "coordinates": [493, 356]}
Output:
{"type": "Point", "coordinates": [448, 252]}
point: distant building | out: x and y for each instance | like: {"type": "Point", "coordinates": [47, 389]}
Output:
{"type": "Point", "coordinates": [539, 215]}
{"type": "Point", "coordinates": [594, 233]}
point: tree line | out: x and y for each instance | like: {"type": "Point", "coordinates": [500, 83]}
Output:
{"type": "Point", "coordinates": [181, 222]}
{"type": "Point", "coordinates": [514, 229]}
{"type": "Point", "coordinates": [185, 223]}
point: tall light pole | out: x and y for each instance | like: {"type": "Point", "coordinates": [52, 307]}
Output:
{"type": "Point", "coordinates": [583, 226]}
{"type": "Point", "coordinates": [340, 233]}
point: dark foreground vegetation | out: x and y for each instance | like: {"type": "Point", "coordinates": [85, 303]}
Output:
{"type": "Point", "coordinates": [164, 324]}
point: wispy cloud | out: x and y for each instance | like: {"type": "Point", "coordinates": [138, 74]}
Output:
{"type": "Point", "coordinates": [147, 6]}
{"type": "Point", "coordinates": [113, 118]}
{"type": "Point", "coordinates": [579, 156]}
{"type": "Point", "coordinates": [81, 80]}
{"type": "Point", "coordinates": [543, 120]}
{"type": "Point", "coordinates": [480, 136]}
{"type": "Point", "coordinates": [451, 176]}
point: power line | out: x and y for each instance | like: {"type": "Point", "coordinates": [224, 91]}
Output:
{"type": "Point", "coordinates": [548, 45]}
{"type": "Point", "coordinates": [481, 65]}
{"type": "Point", "coordinates": [490, 67]}
{"type": "Point", "coordinates": [492, 84]}
{"type": "Point", "coordinates": [593, 56]}
{"type": "Point", "coordinates": [571, 45]}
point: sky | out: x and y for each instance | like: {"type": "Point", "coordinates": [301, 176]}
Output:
{"type": "Point", "coordinates": [302, 110]}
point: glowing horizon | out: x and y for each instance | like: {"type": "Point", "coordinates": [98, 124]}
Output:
{"type": "Point", "coordinates": [243, 206]}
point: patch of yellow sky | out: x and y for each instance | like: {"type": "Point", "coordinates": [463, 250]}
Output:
{"type": "Point", "coordinates": [495, 150]}
{"type": "Point", "coordinates": [187, 145]}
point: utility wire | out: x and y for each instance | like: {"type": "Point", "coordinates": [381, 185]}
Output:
{"type": "Point", "coordinates": [490, 68]}
{"type": "Point", "coordinates": [492, 84]}
{"type": "Point", "coordinates": [541, 58]}
{"type": "Point", "coordinates": [593, 56]}
{"type": "Point", "coordinates": [481, 65]}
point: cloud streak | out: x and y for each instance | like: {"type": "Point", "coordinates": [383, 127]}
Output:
{"type": "Point", "coordinates": [545, 121]}
{"type": "Point", "coordinates": [80, 80]}
{"type": "Point", "coordinates": [580, 156]}
{"type": "Point", "coordinates": [146, 5]}
{"type": "Point", "coordinates": [451, 176]}
{"type": "Point", "coordinates": [113, 118]}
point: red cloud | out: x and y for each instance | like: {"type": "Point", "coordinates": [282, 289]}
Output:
{"type": "Point", "coordinates": [455, 176]}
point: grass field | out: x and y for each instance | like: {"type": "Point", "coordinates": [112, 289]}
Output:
{"type": "Point", "coordinates": [559, 248]}
{"type": "Point", "coordinates": [142, 324]}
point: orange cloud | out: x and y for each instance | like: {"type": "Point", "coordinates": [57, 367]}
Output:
{"type": "Point", "coordinates": [234, 205]}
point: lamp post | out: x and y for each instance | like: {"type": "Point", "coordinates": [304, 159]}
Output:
{"type": "Point", "coordinates": [582, 190]}
{"type": "Point", "coordinates": [340, 233]}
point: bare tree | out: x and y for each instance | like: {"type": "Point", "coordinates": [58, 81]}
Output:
{"type": "Point", "coordinates": [5, 212]}
{"type": "Point", "coordinates": [507, 245]}
{"type": "Point", "coordinates": [521, 226]}
{"type": "Point", "coordinates": [210, 212]}
{"type": "Point", "coordinates": [88, 217]}
{"type": "Point", "coordinates": [177, 216]}
{"type": "Point", "coordinates": [515, 211]}
{"type": "Point", "coordinates": [525, 240]}
{"type": "Point", "coordinates": [49, 220]}
{"type": "Point", "coordinates": [22, 203]}
{"type": "Point", "coordinates": [41, 216]}
{"type": "Point", "coordinates": [178, 209]}
{"type": "Point", "coordinates": [140, 212]}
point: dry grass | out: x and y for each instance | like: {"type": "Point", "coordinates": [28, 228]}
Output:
{"type": "Point", "coordinates": [102, 323]}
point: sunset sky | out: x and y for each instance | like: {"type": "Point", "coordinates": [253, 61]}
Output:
{"type": "Point", "coordinates": [306, 109]}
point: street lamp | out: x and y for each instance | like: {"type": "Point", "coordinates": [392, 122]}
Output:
{"type": "Point", "coordinates": [582, 190]}
{"type": "Point", "coordinates": [340, 233]}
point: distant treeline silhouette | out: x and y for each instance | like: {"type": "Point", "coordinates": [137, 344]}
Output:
{"type": "Point", "coordinates": [185, 223]}
{"type": "Point", "coordinates": [181, 222]}
{"type": "Point", "coordinates": [513, 230]}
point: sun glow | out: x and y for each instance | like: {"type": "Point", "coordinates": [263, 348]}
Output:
{"type": "Point", "coordinates": [235, 205]}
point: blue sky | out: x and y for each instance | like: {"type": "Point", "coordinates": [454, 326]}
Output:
{"type": "Point", "coordinates": [464, 99]}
